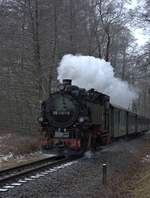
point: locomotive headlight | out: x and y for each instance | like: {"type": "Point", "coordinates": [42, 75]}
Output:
{"type": "Point", "coordinates": [61, 87]}
{"type": "Point", "coordinates": [40, 119]}
{"type": "Point", "coordinates": [81, 119]}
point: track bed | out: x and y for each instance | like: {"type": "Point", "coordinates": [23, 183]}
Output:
{"type": "Point", "coordinates": [84, 178]}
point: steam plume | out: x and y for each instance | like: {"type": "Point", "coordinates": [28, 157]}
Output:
{"type": "Point", "coordinates": [90, 72]}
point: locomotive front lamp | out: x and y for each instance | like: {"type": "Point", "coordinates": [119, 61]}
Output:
{"type": "Point", "coordinates": [81, 119]}
{"type": "Point", "coordinates": [40, 119]}
{"type": "Point", "coordinates": [61, 87]}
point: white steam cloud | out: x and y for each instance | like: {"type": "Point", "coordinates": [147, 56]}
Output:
{"type": "Point", "coordinates": [90, 72]}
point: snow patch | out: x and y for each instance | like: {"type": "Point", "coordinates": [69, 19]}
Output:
{"type": "Point", "coordinates": [88, 154]}
{"type": "Point", "coordinates": [146, 158]}
{"type": "Point", "coordinates": [6, 157]}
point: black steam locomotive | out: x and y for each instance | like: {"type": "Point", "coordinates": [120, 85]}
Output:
{"type": "Point", "coordinates": [74, 120]}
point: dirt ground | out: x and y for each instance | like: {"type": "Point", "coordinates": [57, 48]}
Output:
{"type": "Point", "coordinates": [135, 181]}
{"type": "Point", "coordinates": [142, 188]}
{"type": "Point", "coordinates": [142, 184]}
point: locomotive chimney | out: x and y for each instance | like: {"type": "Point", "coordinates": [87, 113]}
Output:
{"type": "Point", "coordinates": [67, 82]}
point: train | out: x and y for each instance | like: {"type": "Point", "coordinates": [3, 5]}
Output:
{"type": "Point", "coordinates": [74, 120]}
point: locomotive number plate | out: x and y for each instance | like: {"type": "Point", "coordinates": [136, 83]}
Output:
{"type": "Point", "coordinates": [61, 134]}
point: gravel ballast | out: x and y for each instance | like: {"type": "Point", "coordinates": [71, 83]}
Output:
{"type": "Point", "coordinates": [83, 178]}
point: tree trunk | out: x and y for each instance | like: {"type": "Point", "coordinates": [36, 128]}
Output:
{"type": "Point", "coordinates": [124, 64]}
{"type": "Point", "coordinates": [52, 70]}
{"type": "Point", "coordinates": [34, 17]}
{"type": "Point", "coordinates": [107, 48]}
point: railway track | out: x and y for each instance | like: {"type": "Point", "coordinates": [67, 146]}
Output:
{"type": "Point", "coordinates": [15, 173]}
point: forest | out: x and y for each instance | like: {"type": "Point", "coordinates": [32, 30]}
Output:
{"type": "Point", "coordinates": [36, 34]}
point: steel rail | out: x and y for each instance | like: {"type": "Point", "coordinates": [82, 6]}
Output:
{"type": "Point", "coordinates": [25, 169]}
{"type": "Point", "coordinates": [26, 165]}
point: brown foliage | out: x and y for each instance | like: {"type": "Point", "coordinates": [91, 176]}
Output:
{"type": "Point", "coordinates": [19, 144]}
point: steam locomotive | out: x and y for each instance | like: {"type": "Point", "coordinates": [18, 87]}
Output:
{"type": "Point", "coordinates": [74, 120]}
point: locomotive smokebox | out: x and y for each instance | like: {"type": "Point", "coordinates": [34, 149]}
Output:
{"type": "Point", "coordinates": [67, 82]}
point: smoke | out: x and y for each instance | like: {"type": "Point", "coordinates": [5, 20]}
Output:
{"type": "Point", "coordinates": [90, 72]}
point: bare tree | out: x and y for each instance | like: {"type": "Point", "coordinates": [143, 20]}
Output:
{"type": "Point", "coordinates": [34, 36]}
{"type": "Point", "coordinates": [110, 13]}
